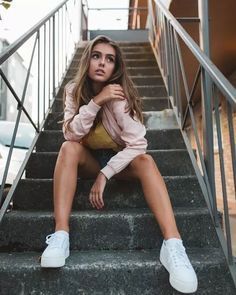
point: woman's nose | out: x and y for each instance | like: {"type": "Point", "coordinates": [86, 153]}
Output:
{"type": "Point", "coordinates": [102, 61]}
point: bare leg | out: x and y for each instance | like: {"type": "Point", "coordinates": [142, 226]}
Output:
{"type": "Point", "coordinates": [71, 155]}
{"type": "Point", "coordinates": [144, 168]}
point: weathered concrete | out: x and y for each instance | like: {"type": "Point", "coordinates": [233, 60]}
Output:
{"type": "Point", "coordinates": [37, 194]}
{"type": "Point", "coordinates": [169, 162]}
{"type": "Point", "coordinates": [105, 229]}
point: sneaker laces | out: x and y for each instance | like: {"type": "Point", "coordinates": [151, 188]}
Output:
{"type": "Point", "coordinates": [55, 240]}
{"type": "Point", "coordinates": [178, 256]}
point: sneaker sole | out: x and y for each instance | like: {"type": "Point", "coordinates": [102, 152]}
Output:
{"type": "Point", "coordinates": [53, 262]}
{"type": "Point", "coordinates": [177, 285]}
{"type": "Point", "coordinates": [182, 286]}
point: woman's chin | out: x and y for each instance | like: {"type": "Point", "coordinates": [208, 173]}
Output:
{"type": "Point", "coordinates": [99, 79]}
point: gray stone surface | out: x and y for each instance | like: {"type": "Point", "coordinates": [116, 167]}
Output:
{"type": "Point", "coordinates": [51, 140]}
{"type": "Point", "coordinates": [110, 273]}
{"type": "Point", "coordinates": [125, 222]}
{"type": "Point", "coordinates": [160, 120]}
{"type": "Point", "coordinates": [37, 194]}
{"type": "Point", "coordinates": [169, 162]}
{"type": "Point", "coordinates": [148, 104]}
{"type": "Point", "coordinates": [136, 70]}
{"type": "Point", "coordinates": [125, 35]}
{"type": "Point", "coordinates": [105, 229]}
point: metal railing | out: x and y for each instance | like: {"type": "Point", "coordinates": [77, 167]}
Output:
{"type": "Point", "coordinates": [54, 38]}
{"type": "Point", "coordinates": [169, 39]}
{"type": "Point", "coordinates": [136, 17]}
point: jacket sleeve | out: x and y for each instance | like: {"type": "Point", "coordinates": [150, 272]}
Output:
{"type": "Point", "coordinates": [132, 133]}
{"type": "Point", "coordinates": [83, 121]}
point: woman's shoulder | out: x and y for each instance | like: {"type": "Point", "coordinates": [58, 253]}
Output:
{"type": "Point", "coordinates": [119, 104]}
{"type": "Point", "coordinates": [70, 86]}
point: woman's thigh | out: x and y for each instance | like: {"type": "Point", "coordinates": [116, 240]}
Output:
{"type": "Point", "coordinates": [88, 166]}
{"type": "Point", "coordinates": [128, 173]}
{"type": "Point", "coordinates": [138, 166]}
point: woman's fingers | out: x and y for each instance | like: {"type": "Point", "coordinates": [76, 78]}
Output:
{"type": "Point", "coordinates": [100, 197]}
{"type": "Point", "coordinates": [96, 199]}
{"type": "Point", "coordinates": [91, 199]}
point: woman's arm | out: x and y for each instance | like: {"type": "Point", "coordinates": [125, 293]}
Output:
{"type": "Point", "coordinates": [83, 121]}
{"type": "Point", "coordinates": [132, 133]}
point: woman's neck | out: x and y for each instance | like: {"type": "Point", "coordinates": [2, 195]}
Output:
{"type": "Point", "coordinates": [97, 87]}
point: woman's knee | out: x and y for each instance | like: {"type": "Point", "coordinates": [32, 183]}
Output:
{"type": "Point", "coordinates": [71, 150]}
{"type": "Point", "coordinates": [143, 161]}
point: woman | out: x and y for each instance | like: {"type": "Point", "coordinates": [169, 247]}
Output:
{"type": "Point", "coordinates": [105, 138]}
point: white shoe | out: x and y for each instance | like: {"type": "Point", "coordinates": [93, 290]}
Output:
{"type": "Point", "coordinates": [174, 258]}
{"type": "Point", "coordinates": [57, 250]}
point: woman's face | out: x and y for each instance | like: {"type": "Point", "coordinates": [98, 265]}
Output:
{"type": "Point", "coordinates": [102, 62]}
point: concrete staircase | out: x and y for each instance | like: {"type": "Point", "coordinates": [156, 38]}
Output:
{"type": "Point", "coordinates": [114, 251]}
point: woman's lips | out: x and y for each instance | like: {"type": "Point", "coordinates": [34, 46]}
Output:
{"type": "Point", "coordinates": [100, 72]}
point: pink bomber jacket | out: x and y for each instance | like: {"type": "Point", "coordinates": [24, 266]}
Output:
{"type": "Point", "coordinates": [123, 129]}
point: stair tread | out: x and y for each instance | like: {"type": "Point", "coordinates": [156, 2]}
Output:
{"type": "Point", "coordinates": [94, 213]}
{"type": "Point", "coordinates": [156, 130]}
{"type": "Point", "coordinates": [151, 151]}
{"type": "Point", "coordinates": [142, 98]}
{"type": "Point", "coordinates": [110, 258]}
{"type": "Point", "coordinates": [194, 177]}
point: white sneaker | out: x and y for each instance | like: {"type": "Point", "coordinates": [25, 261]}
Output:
{"type": "Point", "coordinates": [57, 250]}
{"type": "Point", "coordinates": [174, 258]}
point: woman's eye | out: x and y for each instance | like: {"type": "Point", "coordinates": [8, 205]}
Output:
{"type": "Point", "coordinates": [95, 56]}
{"type": "Point", "coordinates": [110, 59]}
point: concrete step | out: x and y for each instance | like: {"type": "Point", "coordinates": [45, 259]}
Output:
{"type": "Point", "coordinates": [129, 62]}
{"type": "Point", "coordinates": [128, 55]}
{"type": "Point", "coordinates": [105, 229]}
{"type": "Point", "coordinates": [133, 44]}
{"type": "Point", "coordinates": [169, 162]}
{"type": "Point", "coordinates": [160, 120]}
{"type": "Point", "coordinates": [110, 272]}
{"type": "Point", "coordinates": [137, 48]}
{"type": "Point", "coordinates": [152, 91]}
{"type": "Point", "coordinates": [133, 71]}
{"type": "Point", "coordinates": [148, 103]}
{"type": "Point", "coordinates": [144, 91]}
{"type": "Point", "coordinates": [143, 80]}
{"type": "Point", "coordinates": [37, 194]}
{"type": "Point", "coordinates": [50, 141]}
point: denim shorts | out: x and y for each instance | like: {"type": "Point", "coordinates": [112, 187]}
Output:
{"type": "Point", "coordinates": [103, 156]}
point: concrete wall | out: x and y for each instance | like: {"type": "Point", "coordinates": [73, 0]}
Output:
{"type": "Point", "coordinates": [129, 35]}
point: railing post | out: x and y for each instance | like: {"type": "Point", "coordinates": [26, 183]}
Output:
{"type": "Point", "coordinates": [53, 56]}
{"type": "Point", "coordinates": [208, 148]}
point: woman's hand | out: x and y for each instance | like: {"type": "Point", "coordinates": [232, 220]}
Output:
{"type": "Point", "coordinates": [96, 193]}
{"type": "Point", "coordinates": [109, 92]}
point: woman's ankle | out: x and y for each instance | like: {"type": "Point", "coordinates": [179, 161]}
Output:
{"type": "Point", "coordinates": [59, 227]}
{"type": "Point", "coordinates": [171, 235]}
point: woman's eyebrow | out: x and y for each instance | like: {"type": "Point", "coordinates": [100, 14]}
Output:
{"type": "Point", "coordinates": [108, 54]}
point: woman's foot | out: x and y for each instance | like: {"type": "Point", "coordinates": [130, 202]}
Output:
{"type": "Point", "coordinates": [174, 258]}
{"type": "Point", "coordinates": [57, 250]}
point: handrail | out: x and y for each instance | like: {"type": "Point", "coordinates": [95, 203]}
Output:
{"type": "Point", "coordinates": [54, 31]}
{"type": "Point", "coordinates": [224, 85]}
{"type": "Point", "coordinates": [14, 46]}
{"type": "Point", "coordinates": [165, 34]}
{"type": "Point", "coordinates": [135, 10]}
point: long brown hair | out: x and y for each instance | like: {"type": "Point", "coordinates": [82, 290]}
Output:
{"type": "Point", "coordinates": [82, 92]}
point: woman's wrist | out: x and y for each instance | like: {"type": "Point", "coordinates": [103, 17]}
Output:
{"type": "Point", "coordinates": [97, 100]}
{"type": "Point", "coordinates": [102, 175]}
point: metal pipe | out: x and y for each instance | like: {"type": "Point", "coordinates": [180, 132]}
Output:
{"type": "Point", "coordinates": [208, 148]}
{"type": "Point", "coordinates": [217, 77]}
{"type": "Point", "coordinates": [17, 44]}
{"type": "Point", "coordinates": [38, 37]}
{"type": "Point", "coordinates": [223, 180]}
{"type": "Point", "coordinates": [44, 69]}
{"type": "Point", "coordinates": [53, 55]}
